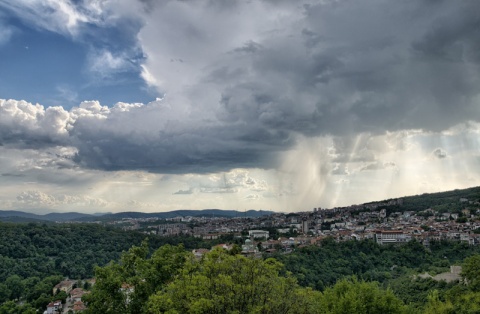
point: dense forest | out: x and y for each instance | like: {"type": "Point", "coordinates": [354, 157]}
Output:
{"type": "Point", "coordinates": [71, 250]}
{"type": "Point", "coordinates": [34, 257]}
{"type": "Point", "coordinates": [318, 267]}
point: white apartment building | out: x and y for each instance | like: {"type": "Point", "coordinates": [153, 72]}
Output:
{"type": "Point", "coordinates": [391, 236]}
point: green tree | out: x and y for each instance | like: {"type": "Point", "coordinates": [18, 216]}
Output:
{"type": "Point", "coordinates": [471, 272]}
{"type": "Point", "coordinates": [42, 301]}
{"type": "Point", "coordinates": [354, 296]}
{"type": "Point", "coordinates": [106, 296]}
{"type": "Point", "coordinates": [435, 306]}
{"type": "Point", "coordinates": [125, 287]}
{"type": "Point", "coordinates": [236, 249]}
{"type": "Point", "coordinates": [15, 285]}
{"type": "Point", "coordinates": [222, 283]}
{"type": "Point", "coordinates": [62, 296]}
{"type": "Point", "coordinates": [465, 303]}
{"type": "Point", "coordinates": [4, 293]}
{"type": "Point", "coordinates": [11, 307]}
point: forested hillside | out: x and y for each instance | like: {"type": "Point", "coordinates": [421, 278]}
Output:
{"type": "Point", "coordinates": [70, 250]}
{"type": "Point", "coordinates": [34, 257]}
{"type": "Point", "coordinates": [318, 267]}
{"type": "Point", "coordinates": [448, 201]}
{"type": "Point", "coordinates": [173, 281]}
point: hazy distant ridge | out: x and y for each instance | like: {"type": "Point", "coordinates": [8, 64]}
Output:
{"type": "Point", "coordinates": [448, 199]}
{"type": "Point", "coordinates": [20, 216]}
{"type": "Point", "coordinates": [4, 214]}
{"type": "Point", "coordinates": [189, 212]}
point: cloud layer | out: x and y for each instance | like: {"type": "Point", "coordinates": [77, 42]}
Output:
{"type": "Point", "coordinates": [327, 93]}
{"type": "Point", "coordinates": [245, 79]}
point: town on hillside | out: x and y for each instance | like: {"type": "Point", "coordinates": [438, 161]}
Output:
{"type": "Point", "coordinates": [379, 221]}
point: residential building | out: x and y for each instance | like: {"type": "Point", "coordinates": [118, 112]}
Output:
{"type": "Point", "coordinates": [391, 237]}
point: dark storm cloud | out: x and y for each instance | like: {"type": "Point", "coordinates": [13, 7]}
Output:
{"type": "Point", "coordinates": [179, 149]}
{"type": "Point", "coordinates": [354, 67]}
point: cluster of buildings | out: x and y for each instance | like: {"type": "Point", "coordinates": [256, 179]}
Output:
{"type": "Point", "coordinates": [376, 221]}
{"type": "Point", "coordinates": [74, 301]}
{"type": "Point", "coordinates": [372, 221]}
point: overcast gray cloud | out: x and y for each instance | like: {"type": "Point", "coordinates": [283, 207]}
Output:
{"type": "Point", "coordinates": [327, 67]}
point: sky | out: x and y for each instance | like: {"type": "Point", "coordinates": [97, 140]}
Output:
{"type": "Point", "coordinates": [144, 105]}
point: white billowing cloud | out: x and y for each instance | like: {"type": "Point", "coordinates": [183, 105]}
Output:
{"type": "Point", "coordinates": [38, 198]}
{"type": "Point", "coordinates": [125, 107]}
{"type": "Point", "coordinates": [31, 125]}
{"type": "Point", "coordinates": [235, 181]}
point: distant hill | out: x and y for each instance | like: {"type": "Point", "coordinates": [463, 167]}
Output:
{"type": "Point", "coordinates": [17, 219]}
{"type": "Point", "coordinates": [20, 216]}
{"type": "Point", "coordinates": [443, 201]}
{"type": "Point", "coordinates": [65, 216]}
{"type": "Point", "coordinates": [181, 212]}
{"type": "Point", "coordinates": [24, 216]}
{"type": "Point", "coordinates": [449, 201]}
